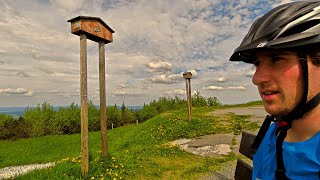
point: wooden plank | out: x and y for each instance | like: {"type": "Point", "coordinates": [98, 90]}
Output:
{"type": "Point", "coordinates": [243, 171]}
{"type": "Point", "coordinates": [84, 105]}
{"type": "Point", "coordinates": [245, 145]}
{"type": "Point", "coordinates": [103, 116]}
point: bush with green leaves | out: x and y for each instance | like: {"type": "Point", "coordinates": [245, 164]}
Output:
{"type": "Point", "coordinates": [40, 118]}
{"type": "Point", "coordinates": [67, 120]}
{"type": "Point", "coordinates": [11, 128]}
{"type": "Point", "coordinates": [113, 116]}
{"type": "Point", "coordinates": [93, 117]}
{"type": "Point", "coordinates": [147, 112]}
{"type": "Point", "coordinates": [5, 121]}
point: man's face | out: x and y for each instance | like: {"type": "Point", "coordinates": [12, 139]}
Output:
{"type": "Point", "coordinates": [279, 80]}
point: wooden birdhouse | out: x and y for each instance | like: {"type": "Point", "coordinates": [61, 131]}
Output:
{"type": "Point", "coordinates": [94, 27]}
{"type": "Point", "coordinates": [187, 75]}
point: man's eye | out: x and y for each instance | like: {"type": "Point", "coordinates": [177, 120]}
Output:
{"type": "Point", "coordinates": [276, 58]}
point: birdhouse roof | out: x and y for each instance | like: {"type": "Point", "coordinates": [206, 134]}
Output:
{"type": "Point", "coordinates": [92, 18]}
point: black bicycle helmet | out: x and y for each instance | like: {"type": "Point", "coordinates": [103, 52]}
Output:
{"type": "Point", "coordinates": [291, 25]}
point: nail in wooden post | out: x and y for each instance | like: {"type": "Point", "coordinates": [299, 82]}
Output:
{"type": "Point", "coordinates": [84, 105]}
{"type": "Point", "coordinates": [103, 118]}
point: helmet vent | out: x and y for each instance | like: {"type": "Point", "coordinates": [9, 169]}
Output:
{"type": "Point", "coordinates": [301, 27]}
{"type": "Point", "coordinates": [273, 18]}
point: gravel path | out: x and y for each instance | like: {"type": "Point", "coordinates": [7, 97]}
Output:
{"type": "Point", "coordinates": [210, 145]}
{"type": "Point", "coordinates": [12, 171]}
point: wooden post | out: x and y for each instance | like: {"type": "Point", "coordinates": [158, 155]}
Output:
{"type": "Point", "coordinates": [187, 76]}
{"type": "Point", "coordinates": [96, 30]}
{"type": "Point", "coordinates": [189, 99]}
{"type": "Point", "coordinates": [103, 118]}
{"type": "Point", "coordinates": [187, 92]}
{"type": "Point", "coordinates": [84, 105]}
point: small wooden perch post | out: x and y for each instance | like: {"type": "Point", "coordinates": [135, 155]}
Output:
{"type": "Point", "coordinates": [188, 76]}
{"type": "Point", "coordinates": [96, 30]}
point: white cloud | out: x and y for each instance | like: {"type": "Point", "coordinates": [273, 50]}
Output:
{"type": "Point", "coordinates": [22, 91]}
{"type": "Point", "coordinates": [119, 93]}
{"type": "Point", "coordinates": [237, 88]}
{"type": "Point", "coordinates": [221, 79]}
{"type": "Point", "coordinates": [167, 79]}
{"type": "Point", "coordinates": [177, 92]}
{"type": "Point", "coordinates": [160, 65]}
{"type": "Point", "coordinates": [213, 88]}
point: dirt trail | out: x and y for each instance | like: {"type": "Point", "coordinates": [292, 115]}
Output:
{"type": "Point", "coordinates": [219, 144]}
{"type": "Point", "coordinates": [257, 113]}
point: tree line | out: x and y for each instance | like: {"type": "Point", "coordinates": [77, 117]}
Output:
{"type": "Point", "coordinates": [44, 120]}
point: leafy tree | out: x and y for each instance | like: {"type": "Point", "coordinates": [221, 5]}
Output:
{"type": "Point", "coordinates": [4, 119]}
{"type": "Point", "coordinates": [93, 117]}
{"type": "Point", "coordinates": [40, 119]}
{"type": "Point", "coordinates": [113, 116]}
{"type": "Point", "coordinates": [213, 101]}
{"type": "Point", "coordinates": [128, 117]}
{"type": "Point", "coordinates": [147, 112]}
{"type": "Point", "coordinates": [67, 120]}
{"type": "Point", "coordinates": [198, 100]}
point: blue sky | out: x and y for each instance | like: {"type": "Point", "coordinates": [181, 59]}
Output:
{"type": "Point", "coordinates": [155, 41]}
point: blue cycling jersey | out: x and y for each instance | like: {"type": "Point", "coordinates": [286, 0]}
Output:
{"type": "Point", "coordinates": [301, 159]}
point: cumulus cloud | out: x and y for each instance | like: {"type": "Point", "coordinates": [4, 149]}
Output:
{"type": "Point", "coordinates": [221, 79]}
{"type": "Point", "coordinates": [176, 92]}
{"type": "Point", "coordinates": [213, 88]}
{"type": "Point", "coordinates": [167, 79]}
{"type": "Point", "coordinates": [126, 94]}
{"type": "Point", "coordinates": [119, 93]}
{"type": "Point", "coordinates": [160, 66]}
{"type": "Point", "coordinates": [22, 91]}
{"type": "Point", "coordinates": [237, 88]}
{"type": "Point", "coordinates": [227, 88]}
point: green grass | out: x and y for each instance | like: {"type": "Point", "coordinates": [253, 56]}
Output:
{"type": "Point", "coordinates": [135, 151]}
{"type": "Point", "coordinates": [252, 103]}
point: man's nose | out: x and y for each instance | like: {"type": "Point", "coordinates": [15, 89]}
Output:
{"type": "Point", "coordinates": [261, 75]}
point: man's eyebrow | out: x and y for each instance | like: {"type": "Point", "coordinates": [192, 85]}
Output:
{"type": "Point", "coordinates": [278, 53]}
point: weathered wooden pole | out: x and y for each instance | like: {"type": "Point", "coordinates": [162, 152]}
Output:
{"type": "Point", "coordinates": [189, 99]}
{"type": "Point", "coordinates": [84, 105]}
{"type": "Point", "coordinates": [103, 111]}
{"type": "Point", "coordinates": [187, 76]}
{"type": "Point", "coordinates": [96, 30]}
{"type": "Point", "coordinates": [187, 93]}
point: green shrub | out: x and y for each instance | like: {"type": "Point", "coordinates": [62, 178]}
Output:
{"type": "Point", "coordinates": [67, 120]}
{"type": "Point", "coordinates": [40, 119]}
{"type": "Point", "coordinates": [93, 117]}
{"type": "Point", "coordinates": [11, 128]}
{"type": "Point", "coordinates": [113, 116]}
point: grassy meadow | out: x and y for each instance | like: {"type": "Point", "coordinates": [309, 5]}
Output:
{"type": "Point", "coordinates": [135, 151]}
